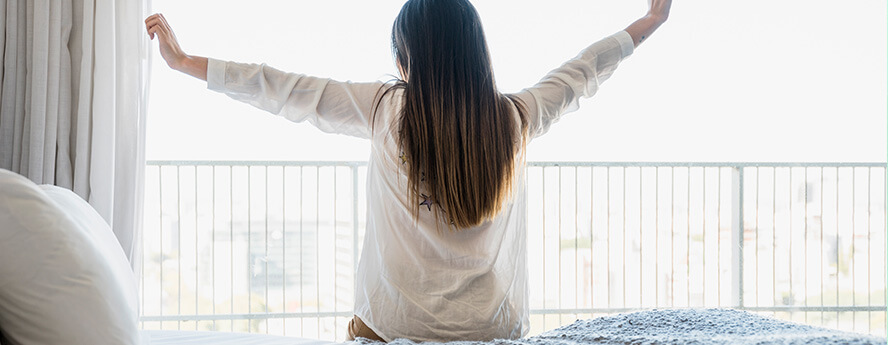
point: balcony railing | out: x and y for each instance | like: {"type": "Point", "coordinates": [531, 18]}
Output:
{"type": "Point", "coordinates": [272, 247]}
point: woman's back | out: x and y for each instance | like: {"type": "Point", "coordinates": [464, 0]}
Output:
{"type": "Point", "coordinates": [421, 281]}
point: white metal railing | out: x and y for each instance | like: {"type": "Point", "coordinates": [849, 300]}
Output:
{"type": "Point", "coordinates": [272, 246]}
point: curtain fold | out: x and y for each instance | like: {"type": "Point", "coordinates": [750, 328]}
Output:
{"type": "Point", "coordinates": [72, 102]}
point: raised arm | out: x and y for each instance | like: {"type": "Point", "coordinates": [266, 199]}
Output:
{"type": "Point", "coordinates": [560, 90]}
{"type": "Point", "coordinates": [332, 106]}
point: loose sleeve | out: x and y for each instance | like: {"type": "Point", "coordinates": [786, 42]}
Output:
{"type": "Point", "coordinates": [329, 105]}
{"type": "Point", "coordinates": [560, 90]}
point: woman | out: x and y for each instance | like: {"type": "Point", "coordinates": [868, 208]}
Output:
{"type": "Point", "coordinates": [444, 251]}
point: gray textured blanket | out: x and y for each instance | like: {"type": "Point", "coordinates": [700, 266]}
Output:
{"type": "Point", "coordinates": [682, 326]}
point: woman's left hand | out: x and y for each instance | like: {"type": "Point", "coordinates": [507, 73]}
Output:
{"type": "Point", "coordinates": [157, 26]}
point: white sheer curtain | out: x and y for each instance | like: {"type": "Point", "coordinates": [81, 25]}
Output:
{"type": "Point", "coordinates": [72, 102]}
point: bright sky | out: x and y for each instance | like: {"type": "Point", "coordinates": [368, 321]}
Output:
{"type": "Point", "coordinates": [755, 80]}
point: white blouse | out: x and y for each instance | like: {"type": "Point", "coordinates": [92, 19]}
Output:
{"type": "Point", "coordinates": [415, 281]}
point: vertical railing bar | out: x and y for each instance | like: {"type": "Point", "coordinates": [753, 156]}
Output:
{"type": "Point", "coordinates": [742, 233]}
{"type": "Point", "coordinates": [758, 182]}
{"type": "Point", "coordinates": [837, 238]}
{"type": "Point", "coordinates": [657, 237]}
{"type": "Point", "coordinates": [142, 277]}
{"type": "Point", "coordinates": [885, 231]}
{"type": "Point", "coordinates": [623, 196]}
{"type": "Point", "coordinates": [335, 250]}
{"type": "Point", "coordinates": [591, 238]}
{"type": "Point", "coordinates": [738, 185]}
{"type": "Point", "coordinates": [231, 238]}
{"type": "Point", "coordinates": [265, 260]}
{"type": "Point", "coordinates": [160, 208]}
{"type": "Point", "coordinates": [179, 244]}
{"type": "Point", "coordinates": [640, 226]}
{"type": "Point", "coordinates": [822, 314]}
{"type": "Point", "coordinates": [318, 243]}
{"type": "Point", "coordinates": [355, 242]}
{"type": "Point", "coordinates": [718, 255]}
{"type": "Point", "coordinates": [672, 238]}
{"type": "Point", "coordinates": [560, 296]}
{"type": "Point", "coordinates": [301, 252]}
{"type": "Point", "coordinates": [869, 247]}
{"type": "Point", "coordinates": [607, 262]}
{"type": "Point", "coordinates": [688, 239]}
{"type": "Point", "coordinates": [774, 236]}
{"type": "Point", "coordinates": [853, 247]}
{"type": "Point", "coordinates": [142, 283]}
{"type": "Point", "coordinates": [213, 240]}
{"type": "Point", "coordinates": [284, 241]}
{"type": "Point", "coordinates": [249, 242]}
{"type": "Point", "coordinates": [806, 243]}
{"type": "Point", "coordinates": [196, 241]}
{"type": "Point", "coordinates": [791, 215]}
{"type": "Point", "coordinates": [577, 238]}
{"type": "Point", "coordinates": [704, 237]}
{"type": "Point", "coordinates": [544, 243]}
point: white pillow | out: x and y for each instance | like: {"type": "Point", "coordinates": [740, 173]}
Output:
{"type": "Point", "coordinates": [63, 277]}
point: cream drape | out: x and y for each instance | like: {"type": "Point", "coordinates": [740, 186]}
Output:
{"type": "Point", "coordinates": [72, 102]}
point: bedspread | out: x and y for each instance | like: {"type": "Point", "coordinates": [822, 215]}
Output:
{"type": "Point", "coordinates": [682, 326]}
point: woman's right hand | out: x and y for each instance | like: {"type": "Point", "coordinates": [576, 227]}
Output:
{"type": "Point", "coordinates": [157, 26]}
{"type": "Point", "coordinates": [660, 9]}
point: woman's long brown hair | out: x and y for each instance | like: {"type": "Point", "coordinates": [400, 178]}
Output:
{"type": "Point", "coordinates": [457, 132]}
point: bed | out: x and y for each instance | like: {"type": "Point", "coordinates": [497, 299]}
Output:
{"type": "Point", "coordinates": [65, 280]}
